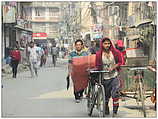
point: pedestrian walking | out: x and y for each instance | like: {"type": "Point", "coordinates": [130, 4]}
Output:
{"type": "Point", "coordinates": [40, 52]}
{"type": "Point", "coordinates": [33, 59]}
{"type": "Point", "coordinates": [109, 58]}
{"type": "Point", "coordinates": [120, 46]}
{"type": "Point", "coordinates": [15, 59]}
{"type": "Point", "coordinates": [63, 52]}
{"type": "Point", "coordinates": [122, 75]}
{"type": "Point", "coordinates": [42, 56]}
{"type": "Point", "coordinates": [54, 53]}
{"type": "Point", "coordinates": [44, 60]}
{"type": "Point", "coordinates": [77, 53]}
{"type": "Point", "coordinates": [94, 47]}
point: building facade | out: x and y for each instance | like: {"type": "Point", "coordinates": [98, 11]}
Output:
{"type": "Point", "coordinates": [46, 17]}
{"type": "Point", "coordinates": [16, 26]}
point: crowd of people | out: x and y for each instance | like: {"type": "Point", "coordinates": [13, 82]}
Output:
{"type": "Point", "coordinates": [36, 57]}
{"type": "Point", "coordinates": [108, 57]}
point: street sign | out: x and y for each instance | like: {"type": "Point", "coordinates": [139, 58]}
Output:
{"type": "Point", "coordinates": [39, 35]}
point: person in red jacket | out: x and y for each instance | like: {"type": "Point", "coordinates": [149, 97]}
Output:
{"type": "Point", "coordinates": [15, 59]}
{"type": "Point", "coordinates": [109, 58]}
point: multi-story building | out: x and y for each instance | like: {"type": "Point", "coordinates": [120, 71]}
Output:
{"type": "Point", "coordinates": [114, 19]}
{"type": "Point", "coordinates": [46, 17]}
{"type": "Point", "coordinates": [16, 25]}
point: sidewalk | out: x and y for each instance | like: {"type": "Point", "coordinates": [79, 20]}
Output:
{"type": "Point", "coordinates": [7, 70]}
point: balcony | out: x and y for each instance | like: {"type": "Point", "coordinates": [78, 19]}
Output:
{"type": "Point", "coordinates": [46, 4]}
{"type": "Point", "coordinates": [51, 35]}
{"type": "Point", "coordinates": [54, 19]}
{"type": "Point", "coordinates": [46, 19]}
{"type": "Point", "coordinates": [38, 19]}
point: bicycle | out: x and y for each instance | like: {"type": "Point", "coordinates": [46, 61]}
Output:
{"type": "Point", "coordinates": [139, 93]}
{"type": "Point", "coordinates": [96, 93]}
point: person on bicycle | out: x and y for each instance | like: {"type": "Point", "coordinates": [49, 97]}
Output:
{"type": "Point", "coordinates": [109, 58]}
{"type": "Point", "coordinates": [77, 53]}
{"type": "Point", "coordinates": [54, 53]}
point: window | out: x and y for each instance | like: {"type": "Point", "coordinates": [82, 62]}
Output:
{"type": "Point", "coordinates": [113, 10]}
{"type": "Point", "coordinates": [53, 27]}
{"type": "Point", "coordinates": [110, 11]}
{"type": "Point", "coordinates": [28, 12]}
{"type": "Point", "coordinates": [116, 10]}
{"type": "Point", "coordinates": [54, 11]}
{"type": "Point", "coordinates": [39, 11]}
{"type": "Point", "coordinates": [41, 27]}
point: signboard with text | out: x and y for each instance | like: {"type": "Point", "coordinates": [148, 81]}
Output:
{"type": "Point", "coordinates": [39, 35]}
{"type": "Point", "coordinates": [97, 31]}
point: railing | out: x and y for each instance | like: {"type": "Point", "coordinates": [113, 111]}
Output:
{"type": "Point", "coordinates": [46, 19]}
{"type": "Point", "coordinates": [45, 4]}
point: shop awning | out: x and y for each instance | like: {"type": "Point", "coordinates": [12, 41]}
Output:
{"type": "Point", "coordinates": [22, 28]}
{"type": "Point", "coordinates": [148, 21]}
{"type": "Point", "coordinates": [134, 37]}
{"type": "Point", "coordinates": [141, 23]}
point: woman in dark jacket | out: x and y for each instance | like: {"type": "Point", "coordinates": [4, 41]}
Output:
{"type": "Point", "coordinates": [15, 59]}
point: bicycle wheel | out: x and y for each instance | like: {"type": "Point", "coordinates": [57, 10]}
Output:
{"type": "Point", "coordinates": [101, 101]}
{"type": "Point", "coordinates": [142, 98]}
{"type": "Point", "coordinates": [90, 98]}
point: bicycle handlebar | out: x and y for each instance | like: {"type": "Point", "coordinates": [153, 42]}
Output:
{"type": "Point", "coordinates": [95, 71]}
{"type": "Point", "coordinates": [138, 68]}
{"type": "Point", "coordinates": [124, 66]}
{"type": "Point", "coordinates": [135, 67]}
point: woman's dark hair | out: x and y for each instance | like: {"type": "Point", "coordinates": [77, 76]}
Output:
{"type": "Point", "coordinates": [79, 41]}
{"type": "Point", "coordinates": [105, 39]}
{"type": "Point", "coordinates": [31, 42]}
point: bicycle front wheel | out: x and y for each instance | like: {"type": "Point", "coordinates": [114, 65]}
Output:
{"type": "Point", "coordinates": [90, 98]}
{"type": "Point", "coordinates": [142, 98]}
{"type": "Point", "coordinates": [101, 101]}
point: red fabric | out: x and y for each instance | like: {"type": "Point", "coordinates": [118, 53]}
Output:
{"type": "Point", "coordinates": [123, 56]}
{"type": "Point", "coordinates": [79, 74]}
{"type": "Point", "coordinates": [120, 43]}
{"type": "Point", "coordinates": [46, 52]}
{"type": "Point", "coordinates": [116, 104]}
{"type": "Point", "coordinates": [15, 54]}
{"type": "Point", "coordinates": [124, 52]}
{"type": "Point", "coordinates": [115, 99]}
{"type": "Point", "coordinates": [117, 55]}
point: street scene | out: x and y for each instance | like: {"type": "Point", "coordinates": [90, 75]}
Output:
{"type": "Point", "coordinates": [78, 59]}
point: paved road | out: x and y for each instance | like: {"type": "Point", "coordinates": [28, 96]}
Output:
{"type": "Point", "coordinates": [46, 96]}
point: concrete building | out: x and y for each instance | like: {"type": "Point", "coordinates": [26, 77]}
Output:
{"type": "Point", "coordinates": [46, 17]}
{"type": "Point", "coordinates": [16, 25]}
